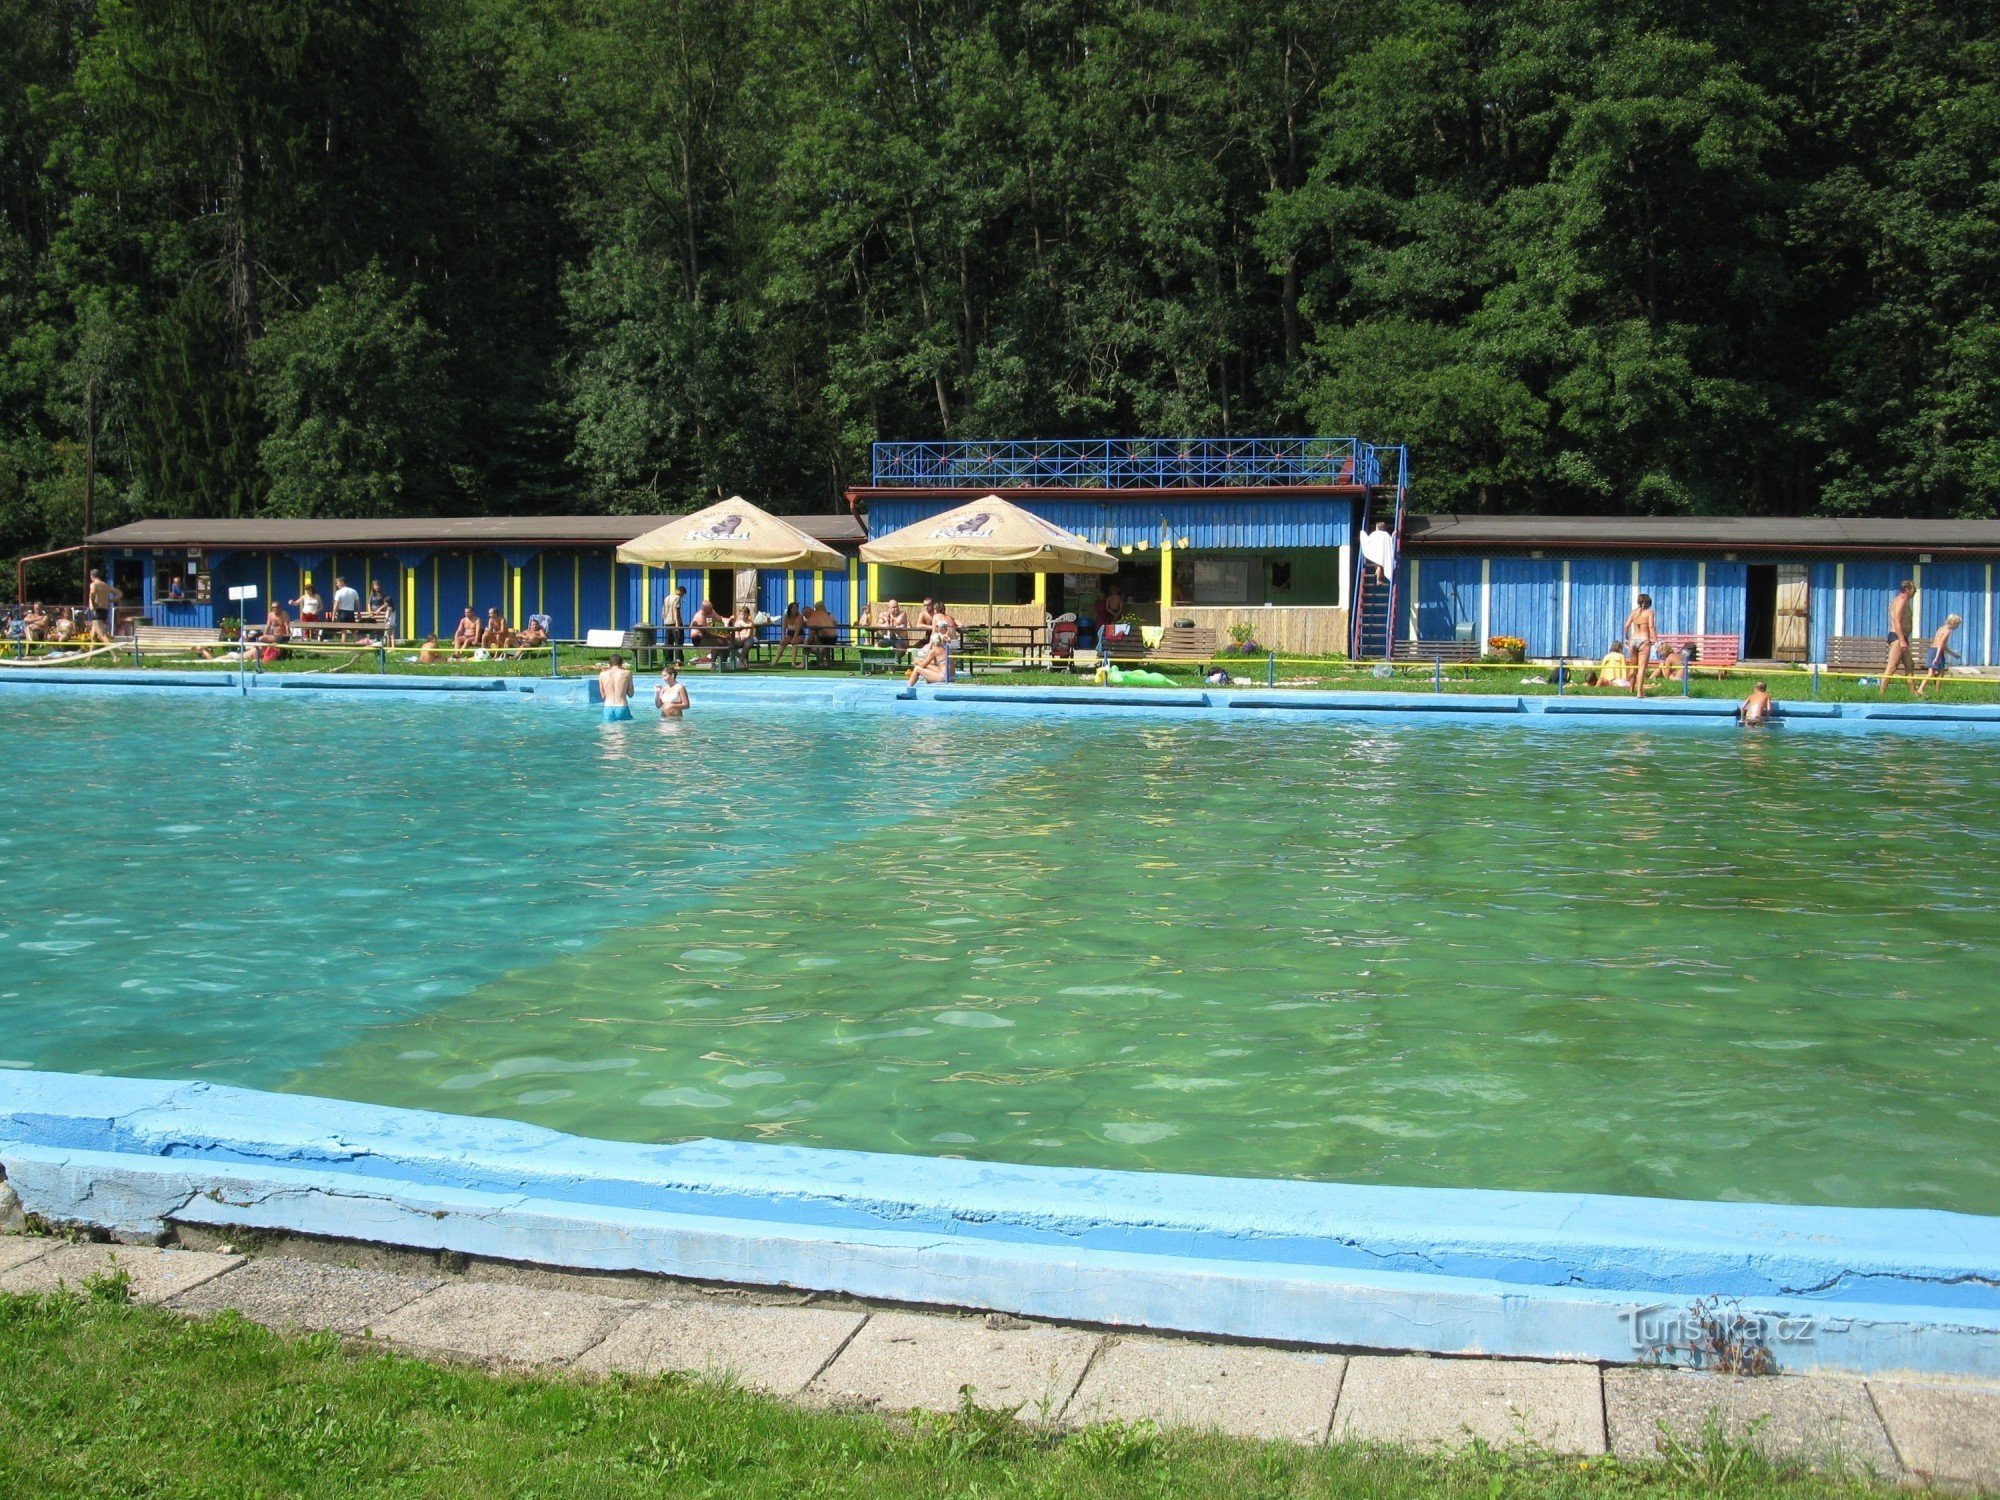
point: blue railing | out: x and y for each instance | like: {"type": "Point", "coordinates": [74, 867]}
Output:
{"type": "Point", "coordinates": [1139, 463]}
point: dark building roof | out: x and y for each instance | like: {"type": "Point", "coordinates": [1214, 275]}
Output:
{"type": "Point", "coordinates": [434, 531]}
{"type": "Point", "coordinates": [1703, 533]}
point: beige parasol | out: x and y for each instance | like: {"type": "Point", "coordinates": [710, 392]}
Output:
{"type": "Point", "coordinates": [989, 536]}
{"type": "Point", "coordinates": [732, 534]}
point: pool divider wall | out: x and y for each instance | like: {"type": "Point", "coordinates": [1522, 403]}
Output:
{"type": "Point", "coordinates": [863, 695]}
{"type": "Point", "coordinates": [1543, 1275]}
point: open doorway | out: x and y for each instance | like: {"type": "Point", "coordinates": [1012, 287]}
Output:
{"type": "Point", "coordinates": [1760, 611]}
{"type": "Point", "coordinates": [1777, 612]}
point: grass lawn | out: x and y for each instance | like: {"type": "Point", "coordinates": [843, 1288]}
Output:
{"type": "Point", "coordinates": [101, 1398]}
{"type": "Point", "coordinates": [1322, 674]}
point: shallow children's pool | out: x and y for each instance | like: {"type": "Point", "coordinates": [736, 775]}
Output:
{"type": "Point", "coordinates": [1691, 964]}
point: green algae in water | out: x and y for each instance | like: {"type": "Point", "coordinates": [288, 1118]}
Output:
{"type": "Point", "coordinates": [1688, 964]}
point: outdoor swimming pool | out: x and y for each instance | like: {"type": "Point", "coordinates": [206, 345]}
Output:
{"type": "Point", "coordinates": [1687, 964]}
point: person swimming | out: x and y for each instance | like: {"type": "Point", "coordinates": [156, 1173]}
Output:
{"type": "Point", "coordinates": [671, 696]}
{"type": "Point", "coordinates": [614, 685]}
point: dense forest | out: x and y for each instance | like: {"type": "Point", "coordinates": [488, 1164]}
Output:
{"type": "Point", "coordinates": [366, 257]}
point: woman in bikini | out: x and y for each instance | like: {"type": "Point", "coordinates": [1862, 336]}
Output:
{"type": "Point", "coordinates": [792, 636]}
{"type": "Point", "coordinates": [1641, 630]}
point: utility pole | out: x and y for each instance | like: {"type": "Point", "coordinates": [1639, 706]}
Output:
{"type": "Point", "coordinates": [89, 470]}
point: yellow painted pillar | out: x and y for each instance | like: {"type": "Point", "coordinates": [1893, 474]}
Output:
{"type": "Point", "coordinates": [645, 593]}
{"type": "Point", "coordinates": [268, 576]}
{"type": "Point", "coordinates": [1166, 580]}
{"type": "Point", "coordinates": [819, 585]}
{"type": "Point", "coordinates": [437, 591]}
{"type": "Point", "coordinates": [1042, 592]}
{"type": "Point", "coordinates": [874, 583]}
{"type": "Point", "coordinates": [541, 583]}
{"type": "Point", "coordinates": [367, 575]}
{"type": "Point", "coordinates": [516, 617]}
{"type": "Point", "coordinates": [854, 589]}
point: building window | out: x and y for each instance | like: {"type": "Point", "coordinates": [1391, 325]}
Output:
{"type": "Point", "coordinates": [188, 574]}
{"type": "Point", "coordinates": [1222, 580]}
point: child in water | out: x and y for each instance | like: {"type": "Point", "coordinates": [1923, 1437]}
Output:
{"type": "Point", "coordinates": [1757, 708]}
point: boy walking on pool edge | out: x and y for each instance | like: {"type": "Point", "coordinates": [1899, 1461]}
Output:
{"type": "Point", "coordinates": [1941, 652]}
{"type": "Point", "coordinates": [614, 686]}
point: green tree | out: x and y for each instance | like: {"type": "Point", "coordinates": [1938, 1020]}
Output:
{"type": "Point", "coordinates": [356, 395]}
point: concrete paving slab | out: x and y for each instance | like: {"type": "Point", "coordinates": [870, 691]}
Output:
{"type": "Point", "coordinates": [625, 1286]}
{"type": "Point", "coordinates": [498, 1324]}
{"type": "Point", "coordinates": [1947, 1434]}
{"type": "Point", "coordinates": [156, 1274]}
{"type": "Point", "coordinates": [903, 1361]}
{"type": "Point", "coordinates": [775, 1349]}
{"type": "Point", "coordinates": [1232, 1388]}
{"type": "Point", "coordinates": [1447, 1403]}
{"type": "Point", "coordinates": [16, 1250]}
{"type": "Point", "coordinates": [283, 1293]}
{"type": "Point", "coordinates": [1825, 1421]}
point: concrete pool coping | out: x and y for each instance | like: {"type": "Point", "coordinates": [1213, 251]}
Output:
{"type": "Point", "coordinates": [1447, 1271]}
{"type": "Point", "coordinates": [1270, 706]}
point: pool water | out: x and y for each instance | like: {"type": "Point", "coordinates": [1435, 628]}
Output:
{"type": "Point", "coordinates": [1683, 963]}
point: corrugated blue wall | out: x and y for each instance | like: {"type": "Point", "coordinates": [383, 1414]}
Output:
{"type": "Point", "coordinates": [1819, 609]}
{"type": "Point", "coordinates": [1600, 597]}
{"type": "Point", "coordinates": [1674, 584]}
{"type": "Point", "coordinates": [1726, 584]}
{"type": "Point", "coordinates": [1527, 602]}
{"type": "Point", "coordinates": [1869, 588]}
{"type": "Point", "coordinates": [1447, 591]}
{"type": "Point", "coordinates": [1220, 523]}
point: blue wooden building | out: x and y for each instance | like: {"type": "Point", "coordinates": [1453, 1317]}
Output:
{"type": "Point", "coordinates": [560, 566]}
{"type": "Point", "coordinates": [1782, 587]}
{"type": "Point", "coordinates": [1217, 531]}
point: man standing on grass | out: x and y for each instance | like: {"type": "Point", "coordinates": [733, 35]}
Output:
{"type": "Point", "coordinates": [103, 600]}
{"type": "Point", "coordinates": [1900, 609]}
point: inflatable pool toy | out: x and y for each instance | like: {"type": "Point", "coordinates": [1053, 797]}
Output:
{"type": "Point", "coordinates": [1116, 677]}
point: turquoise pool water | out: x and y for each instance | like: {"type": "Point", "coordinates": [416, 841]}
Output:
{"type": "Point", "coordinates": [1690, 964]}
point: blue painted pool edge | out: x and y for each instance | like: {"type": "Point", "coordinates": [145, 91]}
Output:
{"type": "Point", "coordinates": [1539, 1275]}
{"type": "Point", "coordinates": [851, 695]}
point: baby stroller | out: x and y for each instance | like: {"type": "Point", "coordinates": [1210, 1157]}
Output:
{"type": "Point", "coordinates": [1062, 643]}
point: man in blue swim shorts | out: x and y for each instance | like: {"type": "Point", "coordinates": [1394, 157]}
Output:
{"type": "Point", "coordinates": [614, 686]}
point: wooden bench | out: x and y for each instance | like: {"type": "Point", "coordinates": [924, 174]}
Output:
{"type": "Point", "coordinates": [1857, 653]}
{"type": "Point", "coordinates": [1453, 650]}
{"type": "Point", "coordinates": [1185, 643]}
{"type": "Point", "coordinates": [1709, 650]}
{"type": "Point", "coordinates": [1177, 643]}
{"type": "Point", "coordinates": [176, 638]}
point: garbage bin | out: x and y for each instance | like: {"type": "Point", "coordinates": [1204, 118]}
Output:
{"type": "Point", "coordinates": [644, 639]}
